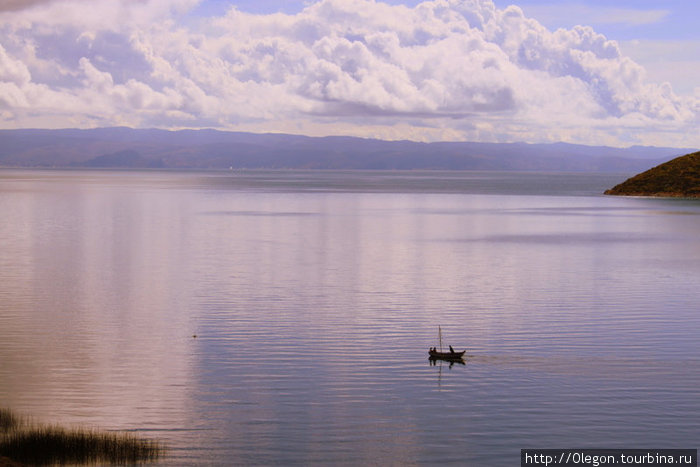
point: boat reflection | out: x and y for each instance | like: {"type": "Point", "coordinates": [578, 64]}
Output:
{"type": "Point", "coordinates": [434, 360]}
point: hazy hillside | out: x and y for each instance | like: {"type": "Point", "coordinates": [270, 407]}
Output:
{"type": "Point", "coordinates": [679, 177]}
{"type": "Point", "coordinates": [211, 149]}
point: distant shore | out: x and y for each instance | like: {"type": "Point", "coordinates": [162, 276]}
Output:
{"type": "Point", "coordinates": [223, 150]}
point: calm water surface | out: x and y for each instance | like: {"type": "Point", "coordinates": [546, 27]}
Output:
{"type": "Point", "coordinates": [314, 297]}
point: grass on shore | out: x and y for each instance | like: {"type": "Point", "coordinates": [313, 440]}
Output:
{"type": "Point", "coordinates": [8, 421]}
{"type": "Point", "coordinates": [49, 444]}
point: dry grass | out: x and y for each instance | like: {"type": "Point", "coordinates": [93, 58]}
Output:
{"type": "Point", "coordinates": [47, 444]}
{"type": "Point", "coordinates": [8, 421]}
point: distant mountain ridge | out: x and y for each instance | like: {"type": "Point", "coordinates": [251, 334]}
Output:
{"type": "Point", "coordinates": [677, 178]}
{"type": "Point", "coordinates": [212, 149]}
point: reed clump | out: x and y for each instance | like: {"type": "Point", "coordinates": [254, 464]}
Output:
{"type": "Point", "coordinates": [8, 421]}
{"type": "Point", "coordinates": [54, 445]}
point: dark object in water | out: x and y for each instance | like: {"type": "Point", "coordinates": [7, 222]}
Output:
{"type": "Point", "coordinates": [449, 356]}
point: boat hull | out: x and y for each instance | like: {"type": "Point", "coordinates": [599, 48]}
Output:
{"type": "Point", "coordinates": [446, 355]}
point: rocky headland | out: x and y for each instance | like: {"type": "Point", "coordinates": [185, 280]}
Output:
{"type": "Point", "coordinates": [677, 178]}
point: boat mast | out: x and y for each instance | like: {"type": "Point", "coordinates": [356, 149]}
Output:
{"type": "Point", "coordinates": [440, 337]}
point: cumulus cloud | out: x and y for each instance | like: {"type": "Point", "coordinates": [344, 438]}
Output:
{"type": "Point", "coordinates": [457, 69]}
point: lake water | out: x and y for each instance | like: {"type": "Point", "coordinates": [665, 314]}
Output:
{"type": "Point", "coordinates": [314, 297]}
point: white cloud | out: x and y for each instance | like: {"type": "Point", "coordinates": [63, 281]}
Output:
{"type": "Point", "coordinates": [457, 69]}
{"type": "Point", "coordinates": [12, 70]}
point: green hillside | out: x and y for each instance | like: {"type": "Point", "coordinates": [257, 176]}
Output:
{"type": "Point", "coordinates": [678, 178]}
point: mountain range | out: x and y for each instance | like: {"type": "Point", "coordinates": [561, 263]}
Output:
{"type": "Point", "coordinates": [121, 147]}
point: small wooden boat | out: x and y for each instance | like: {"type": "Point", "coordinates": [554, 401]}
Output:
{"type": "Point", "coordinates": [435, 355]}
{"type": "Point", "coordinates": [451, 356]}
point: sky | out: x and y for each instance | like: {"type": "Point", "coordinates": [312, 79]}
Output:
{"type": "Point", "coordinates": [613, 72]}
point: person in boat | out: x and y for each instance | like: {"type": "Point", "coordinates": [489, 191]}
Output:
{"type": "Point", "coordinates": [452, 350]}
